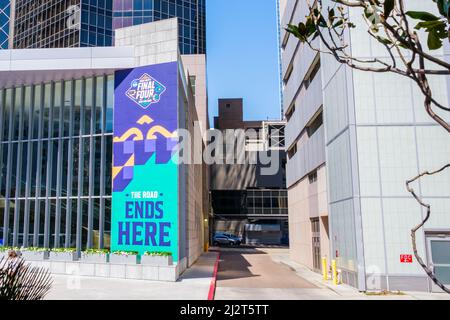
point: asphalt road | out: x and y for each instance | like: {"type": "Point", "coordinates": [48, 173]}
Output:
{"type": "Point", "coordinates": [252, 274]}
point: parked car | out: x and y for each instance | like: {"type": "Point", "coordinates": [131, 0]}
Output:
{"type": "Point", "coordinates": [226, 239]}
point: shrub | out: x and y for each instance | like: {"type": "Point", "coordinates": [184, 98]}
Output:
{"type": "Point", "coordinates": [160, 254]}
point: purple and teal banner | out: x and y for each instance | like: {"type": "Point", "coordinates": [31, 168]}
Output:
{"type": "Point", "coordinates": [145, 179]}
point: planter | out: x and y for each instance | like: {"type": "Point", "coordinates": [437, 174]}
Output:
{"type": "Point", "coordinates": [123, 259]}
{"type": "Point", "coordinates": [35, 255]}
{"type": "Point", "coordinates": [94, 257]}
{"type": "Point", "coordinates": [161, 261]}
{"type": "Point", "coordinates": [63, 256]}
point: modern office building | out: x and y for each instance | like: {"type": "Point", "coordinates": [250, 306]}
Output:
{"type": "Point", "coordinates": [61, 23]}
{"type": "Point", "coordinates": [281, 5]}
{"type": "Point", "coordinates": [87, 23]}
{"type": "Point", "coordinates": [5, 16]}
{"type": "Point", "coordinates": [244, 200]}
{"type": "Point", "coordinates": [74, 175]}
{"type": "Point", "coordinates": [353, 139]}
{"type": "Point", "coordinates": [191, 16]}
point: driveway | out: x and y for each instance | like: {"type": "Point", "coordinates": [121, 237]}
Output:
{"type": "Point", "coordinates": [252, 274]}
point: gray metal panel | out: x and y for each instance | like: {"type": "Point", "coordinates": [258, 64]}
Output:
{"type": "Point", "coordinates": [408, 283]}
{"type": "Point", "coordinates": [8, 178]}
{"type": "Point", "coordinates": [59, 170]}
{"type": "Point", "coordinates": [28, 174]}
{"type": "Point", "coordinates": [309, 157]}
{"type": "Point", "coordinates": [37, 207]}
{"type": "Point", "coordinates": [68, 229]}
{"type": "Point", "coordinates": [101, 223]}
{"type": "Point", "coordinates": [18, 171]}
{"type": "Point", "coordinates": [91, 167]}
{"type": "Point", "coordinates": [307, 106]}
{"type": "Point", "coordinates": [79, 222]}
{"type": "Point", "coordinates": [49, 171]}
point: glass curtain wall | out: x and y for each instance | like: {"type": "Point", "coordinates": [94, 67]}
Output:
{"type": "Point", "coordinates": [191, 17]}
{"type": "Point", "coordinates": [55, 163]}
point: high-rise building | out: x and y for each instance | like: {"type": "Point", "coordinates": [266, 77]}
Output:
{"type": "Point", "coordinates": [62, 23]}
{"type": "Point", "coordinates": [281, 5]}
{"type": "Point", "coordinates": [86, 23]}
{"type": "Point", "coordinates": [191, 16]}
{"type": "Point", "coordinates": [353, 139]}
{"type": "Point", "coordinates": [5, 14]}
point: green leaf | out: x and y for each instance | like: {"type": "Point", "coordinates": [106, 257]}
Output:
{"type": "Point", "coordinates": [388, 7]}
{"type": "Point", "coordinates": [434, 42]}
{"type": "Point", "coordinates": [384, 40]}
{"type": "Point", "coordinates": [422, 15]}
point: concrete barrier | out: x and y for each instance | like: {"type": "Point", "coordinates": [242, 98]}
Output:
{"type": "Point", "coordinates": [169, 273]}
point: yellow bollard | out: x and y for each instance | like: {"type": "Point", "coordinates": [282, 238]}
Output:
{"type": "Point", "coordinates": [334, 272]}
{"type": "Point", "coordinates": [324, 269]}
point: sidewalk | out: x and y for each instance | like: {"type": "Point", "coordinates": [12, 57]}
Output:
{"type": "Point", "coordinates": [194, 284]}
{"type": "Point", "coordinates": [344, 291]}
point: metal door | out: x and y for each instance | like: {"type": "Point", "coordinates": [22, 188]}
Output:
{"type": "Point", "coordinates": [315, 230]}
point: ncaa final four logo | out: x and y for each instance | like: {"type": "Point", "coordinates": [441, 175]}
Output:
{"type": "Point", "coordinates": [145, 91]}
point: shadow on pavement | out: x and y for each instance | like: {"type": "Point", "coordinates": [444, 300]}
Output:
{"type": "Point", "coordinates": [233, 265]}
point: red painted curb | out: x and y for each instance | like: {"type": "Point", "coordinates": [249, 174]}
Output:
{"type": "Point", "coordinates": [212, 286]}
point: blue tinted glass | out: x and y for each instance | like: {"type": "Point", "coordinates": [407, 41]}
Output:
{"type": "Point", "coordinates": [148, 4]}
{"type": "Point", "coordinates": [138, 5]}
{"type": "Point", "coordinates": [92, 18]}
{"type": "Point", "coordinates": [84, 17]}
{"type": "Point", "coordinates": [92, 38]}
{"type": "Point", "coordinates": [84, 36]}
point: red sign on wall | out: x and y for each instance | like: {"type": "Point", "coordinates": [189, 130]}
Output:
{"type": "Point", "coordinates": [406, 258]}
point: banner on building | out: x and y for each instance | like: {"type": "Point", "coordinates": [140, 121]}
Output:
{"type": "Point", "coordinates": [145, 179]}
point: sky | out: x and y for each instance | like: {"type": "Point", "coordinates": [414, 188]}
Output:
{"type": "Point", "coordinates": [242, 56]}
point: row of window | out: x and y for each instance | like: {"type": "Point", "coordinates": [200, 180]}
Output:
{"type": "Point", "coordinates": [54, 168]}
{"type": "Point", "coordinates": [55, 163]}
{"type": "Point", "coordinates": [38, 229]}
{"type": "Point", "coordinates": [310, 129]}
{"type": "Point", "coordinates": [164, 5]}
{"type": "Point", "coordinates": [187, 14]}
{"type": "Point", "coordinates": [57, 24]}
{"type": "Point", "coordinates": [59, 109]}
{"type": "Point", "coordinates": [245, 202]}
{"type": "Point", "coordinates": [5, 11]}
{"type": "Point", "coordinates": [308, 79]}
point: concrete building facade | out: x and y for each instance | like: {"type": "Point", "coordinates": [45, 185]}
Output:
{"type": "Point", "coordinates": [375, 135]}
{"type": "Point", "coordinates": [305, 143]}
{"type": "Point", "coordinates": [245, 201]}
{"type": "Point", "coordinates": [57, 124]}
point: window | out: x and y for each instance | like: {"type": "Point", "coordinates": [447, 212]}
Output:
{"type": "Point", "coordinates": [312, 74]}
{"type": "Point", "coordinates": [288, 74]}
{"type": "Point", "coordinates": [228, 106]}
{"type": "Point", "coordinates": [290, 112]}
{"type": "Point", "coordinates": [56, 162]}
{"type": "Point", "coordinates": [312, 177]}
{"type": "Point", "coordinates": [315, 124]}
{"type": "Point", "coordinates": [192, 80]}
{"type": "Point", "coordinates": [285, 40]}
{"type": "Point", "coordinates": [292, 150]}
